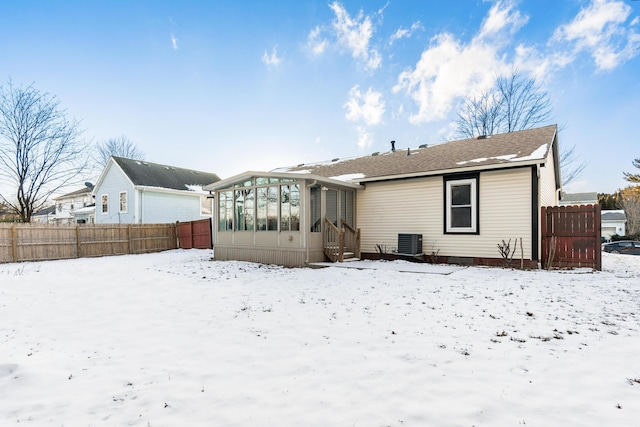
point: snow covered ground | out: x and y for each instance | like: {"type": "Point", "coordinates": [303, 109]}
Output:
{"type": "Point", "coordinates": [175, 339]}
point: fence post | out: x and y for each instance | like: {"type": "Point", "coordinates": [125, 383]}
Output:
{"type": "Point", "coordinates": [14, 243]}
{"type": "Point", "coordinates": [543, 238]}
{"type": "Point", "coordinates": [130, 238]}
{"type": "Point", "coordinates": [78, 241]}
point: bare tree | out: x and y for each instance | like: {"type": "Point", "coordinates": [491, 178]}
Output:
{"type": "Point", "coordinates": [480, 115]}
{"type": "Point", "coordinates": [524, 103]}
{"type": "Point", "coordinates": [633, 177]}
{"type": "Point", "coordinates": [516, 102]}
{"type": "Point", "coordinates": [120, 147]}
{"type": "Point", "coordinates": [631, 206]}
{"type": "Point", "coordinates": [40, 150]}
{"type": "Point", "coordinates": [571, 166]}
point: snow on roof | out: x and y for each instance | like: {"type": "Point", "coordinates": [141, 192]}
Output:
{"type": "Point", "coordinates": [348, 177]}
{"type": "Point", "coordinates": [539, 153]}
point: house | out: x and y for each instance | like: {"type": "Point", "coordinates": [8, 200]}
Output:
{"type": "Point", "coordinates": [44, 216]}
{"type": "Point", "coordinates": [68, 205]}
{"type": "Point", "coordinates": [578, 199]}
{"type": "Point", "coordinates": [132, 191]}
{"type": "Point", "coordinates": [457, 200]}
{"type": "Point", "coordinates": [613, 223]}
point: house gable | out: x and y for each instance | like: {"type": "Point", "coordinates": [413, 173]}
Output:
{"type": "Point", "coordinates": [137, 191]}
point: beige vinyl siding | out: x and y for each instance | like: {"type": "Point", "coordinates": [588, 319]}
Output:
{"type": "Point", "coordinates": [548, 193]}
{"type": "Point", "coordinates": [416, 206]}
{"type": "Point", "coordinates": [388, 208]}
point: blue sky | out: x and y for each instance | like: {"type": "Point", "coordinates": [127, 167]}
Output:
{"type": "Point", "coordinates": [229, 86]}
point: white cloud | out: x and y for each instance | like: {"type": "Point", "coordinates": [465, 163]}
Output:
{"type": "Point", "coordinates": [351, 33]}
{"type": "Point", "coordinates": [502, 17]}
{"type": "Point", "coordinates": [315, 43]}
{"type": "Point", "coordinates": [365, 138]}
{"type": "Point", "coordinates": [271, 60]}
{"type": "Point", "coordinates": [599, 30]}
{"type": "Point", "coordinates": [367, 107]}
{"type": "Point", "coordinates": [449, 69]}
{"type": "Point", "coordinates": [174, 42]}
{"type": "Point", "coordinates": [403, 33]}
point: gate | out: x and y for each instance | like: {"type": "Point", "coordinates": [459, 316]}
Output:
{"type": "Point", "coordinates": [571, 236]}
{"type": "Point", "coordinates": [195, 234]}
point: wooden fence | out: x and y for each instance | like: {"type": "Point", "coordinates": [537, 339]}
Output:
{"type": "Point", "coordinates": [195, 234]}
{"type": "Point", "coordinates": [40, 242]}
{"type": "Point", "coordinates": [571, 236]}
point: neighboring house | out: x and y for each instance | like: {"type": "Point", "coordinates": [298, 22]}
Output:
{"type": "Point", "coordinates": [578, 199]}
{"type": "Point", "coordinates": [613, 223]}
{"type": "Point", "coordinates": [458, 200]}
{"type": "Point", "coordinates": [85, 214]}
{"type": "Point", "coordinates": [67, 204]}
{"type": "Point", "coordinates": [139, 192]}
{"type": "Point", "coordinates": [44, 216]}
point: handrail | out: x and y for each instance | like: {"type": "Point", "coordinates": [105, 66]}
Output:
{"type": "Point", "coordinates": [352, 238]}
{"type": "Point", "coordinates": [333, 240]}
{"type": "Point", "coordinates": [337, 241]}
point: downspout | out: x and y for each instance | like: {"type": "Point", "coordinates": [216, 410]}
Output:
{"type": "Point", "coordinates": [307, 196]}
{"type": "Point", "coordinates": [141, 206]}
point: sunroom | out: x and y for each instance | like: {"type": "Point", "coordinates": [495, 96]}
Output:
{"type": "Point", "coordinates": [290, 219]}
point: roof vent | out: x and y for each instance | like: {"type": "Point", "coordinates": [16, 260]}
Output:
{"type": "Point", "coordinates": [335, 160]}
{"type": "Point", "coordinates": [393, 146]}
{"type": "Point", "coordinates": [482, 137]}
{"type": "Point", "coordinates": [423, 145]}
{"type": "Point", "coordinates": [408, 151]}
{"type": "Point", "coordinates": [375, 154]}
{"type": "Point", "coordinates": [300, 165]}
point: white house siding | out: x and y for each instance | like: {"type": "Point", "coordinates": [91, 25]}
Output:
{"type": "Point", "coordinates": [159, 207]}
{"type": "Point", "coordinates": [113, 183]}
{"type": "Point", "coordinates": [417, 206]}
{"type": "Point", "coordinates": [547, 184]}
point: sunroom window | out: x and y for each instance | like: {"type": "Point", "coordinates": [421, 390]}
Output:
{"type": "Point", "coordinates": [461, 205]}
{"type": "Point", "coordinates": [225, 212]}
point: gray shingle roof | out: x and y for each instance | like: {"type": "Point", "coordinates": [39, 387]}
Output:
{"type": "Point", "coordinates": [613, 216]}
{"type": "Point", "coordinates": [143, 173]}
{"type": "Point", "coordinates": [501, 150]}
{"type": "Point", "coordinates": [579, 197]}
{"type": "Point", "coordinates": [83, 191]}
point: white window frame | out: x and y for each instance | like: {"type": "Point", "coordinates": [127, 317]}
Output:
{"type": "Point", "coordinates": [120, 210]}
{"type": "Point", "coordinates": [473, 182]}
{"type": "Point", "coordinates": [103, 204]}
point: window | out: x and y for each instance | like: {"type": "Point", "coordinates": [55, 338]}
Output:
{"type": "Point", "coordinates": [123, 202]}
{"type": "Point", "coordinates": [206, 208]}
{"type": "Point", "coordinates": [267, 211]}
{"type": "Point", "coordinates": [347, 207]}
{"type": "Point", "coordinates": [225, 211]}
{"type": "Point", "coordinates": [105, 203]}
{"type": "Point", "coordinates": [290, 207]}
{"type": "Point", "coordinates": [261, 204]}
{"type": "Point", "coordinates": [244, 209]}
{"type": "Point", "coordinates": [461, 205]}
{"type": "Point", "coordinates": [314, 202]}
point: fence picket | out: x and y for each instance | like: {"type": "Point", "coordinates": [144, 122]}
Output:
{"type": "Point", "coordinates": [571, 236]}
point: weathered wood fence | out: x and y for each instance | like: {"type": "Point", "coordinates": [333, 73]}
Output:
{"type": "Point", "coordinates": [571, 236]}
{"type": "Point", "coordinates": [195, 234]}
{"type": "Point", "coordinates": [40, 242]}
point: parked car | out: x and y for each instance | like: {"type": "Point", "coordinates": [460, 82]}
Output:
{"type": "Point", "coordinates": [622, 247]}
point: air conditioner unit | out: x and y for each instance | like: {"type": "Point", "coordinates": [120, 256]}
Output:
{"type": "Point", "coordinates": [410, 244]}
